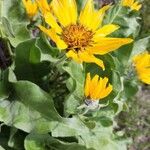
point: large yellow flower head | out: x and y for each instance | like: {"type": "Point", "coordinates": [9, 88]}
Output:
{"type": "Point", "coordinates": [96, 89]}
{"type": "Point", "coordinates": [133, 4]}
{"type": "Point", "coordinates": [81, 35]}
{"type": "Point", "coordinates": [31, 8]}
{"type": "Point", "coordinates": [142, 65]}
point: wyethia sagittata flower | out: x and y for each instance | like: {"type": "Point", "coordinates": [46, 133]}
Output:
{"type": "Point", "coordinates": [97, 88]}
{"type": "Point", "coordinates": [31, 8]}
{"type": "Point", "coordinates": [142, 65]}
{"type": "Point", "coordinates": [133, 4]}
{"type": "Point", "coordinates": [82, 36]}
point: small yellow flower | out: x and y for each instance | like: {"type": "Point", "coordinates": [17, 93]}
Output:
{"type": "Point", "coordinates": [82, 36]}
{"type": "Point", "coordinates": [96, 89]}
{"type": "Point", "coordinates": [31, 8]}
{"type": "Point", "coordinates": [132, 4]}
{"type": "Point", "coordinates": [142, 65]}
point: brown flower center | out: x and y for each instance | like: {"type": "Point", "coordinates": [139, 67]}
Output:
{"type": "Point", "coordinates": [77, 36]}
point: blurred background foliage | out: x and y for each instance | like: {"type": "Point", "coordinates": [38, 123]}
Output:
{"type": "Point", "coordinates": [146, 18]}
{"type": "Point", "coordinates": [136, 121]}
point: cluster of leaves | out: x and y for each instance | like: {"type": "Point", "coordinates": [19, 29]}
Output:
{"type": "Point", "coordinates": [40, 91]}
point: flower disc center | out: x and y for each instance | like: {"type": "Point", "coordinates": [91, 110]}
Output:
{"type": "Point", "coordinates": [77, 36]}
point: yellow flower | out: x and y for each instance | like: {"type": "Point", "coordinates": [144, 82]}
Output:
{"type": "Point", "coordinates": [142, 65]}
{"type": "Point", "coordinates": [82, 36]}
{"type": "Point", "coordinates": [96, 89]}
{"type": "Point", "coordinates": [132, 4]}
{"type": "Point", "coordinates": [31, 8]}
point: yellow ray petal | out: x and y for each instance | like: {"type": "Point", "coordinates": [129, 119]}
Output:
{"type": "Point", "coordinates": [106, 45]}
{"type": "Point", "coordinates": [144, 77]}
{"type": "Point", "coordinates": [97, 18]}
{"type": "Point", "coordinates": [91, 18]}
{"type": "Point", "coordinates": [104, 31]}
{"type": "Point", "coordinates": [87, 85]}
{"type": "Point", "coordinates": [31, 8]}
{"type": "Point", "coordinates": [136, 6]}
{"type": "Point", "coordinates": [86, 14]}
{"type": "Point", "coordinates": [60, 12]}
{"type": "Point", "coordinates": [106, 92]}
{"type": "Point", "coordinates": [127, 2]}
{"type": "Point", "coordinates": [50, 19]}
{"type": "Point", "coordinates": [142, 65]}
{"type": "Point", "coordinates": [43, 5]}
{"type": "Point", "coordinates": [84, 56]}
{"type": "Point", "coordinates": [71, 7]}
{"type": "Point", "coordinates": [105, 80]}
{"type": "Point", "coordinates": [65, 11]}
{"type": "Point", "coordinates": [142, 60]}
{"type": "Point", "coordinates": [98, 89]}
{"type": "Point", "coordinates": [93, 87]}
{"type": "Point", "coordinates": [52, 34]}
{"type": "Point", "coordinates": [72, 54]}
{"type": "Point", "coordinates": [132, 4]}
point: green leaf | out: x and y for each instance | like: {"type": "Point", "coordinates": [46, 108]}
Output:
{"type": "Point", "coordinates": [7, 27]}
{"type": "Point", "coordinates": [21, 34]}
{"type": "Point", "coordinates": [72, 101]}
{"type": "Point", "coordinates": [77, 74]}
{"type": "Point", "coordinates": [14, 13]}
{"type": "Point", "coordinates": [118, 101]}
{"type": "Point", "coordinates": [4, 85]}
{"type": "Point", "coordinates": [16, 139]}
{"type": "Point", "coordinates": [95, 138]}
{"type": "Point", "coordinates": [112, 14]}
{"type": "Point", "coordinates": [70, 83]}
{"type": "Point", "coordinates": [109, 62]}
{"type": "Point", "coordinates": [105, 121]}
{"type": "Point", "coordinates": [102, 140]}
{"type": "Point", "coordinates": [74, 126]}
{"type": "Point", "coordinates": [31, 108]}
{"type": "Point", "coordinates": [76, 71]}
{"type": "Point", "coordinates": [123, 55]}
{"type": "Point", "coordinates": [1, 148]}
{"type": "Point", "coordinates": [131, 88]}
{"type": "Point", "coordinates": [4, 136]}
{"type": "Point", "coordinates": [105, 117]}
{"type": "Point", "coordinates": [140, 46]}
{"type": "Point", "coordinates": [71, 104]}
{"type": "Point", "coordinates": [76, 86]}
{"type": "Point", "coordinates": [116, 82]}
{"type": "Point", "coordinates": [36, 141]}
{"type": "Point", "coordinates": [18, 115]}
{"type": "Point", "coordinates": [121, 16]}
{"type": "Point", "coordinates": [35, 98]}
{"type": "Point", "coordinates": [133, 27]}
{"type": "Point", "coordinates": [28, 65]}
{"type": "Point", "coordinates": [48, 53]}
